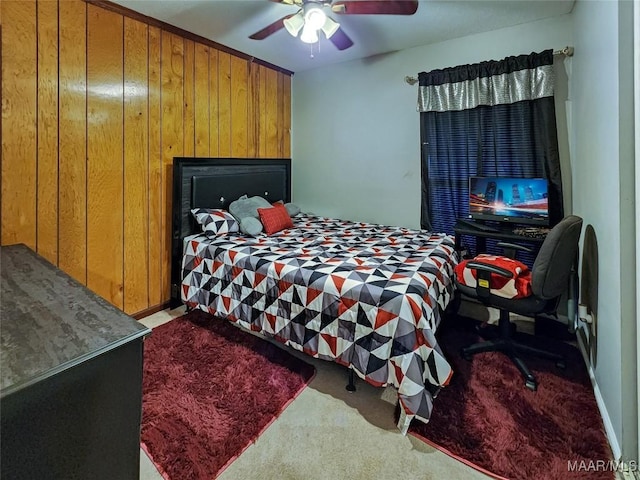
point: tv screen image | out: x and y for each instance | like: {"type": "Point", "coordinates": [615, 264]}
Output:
{"type": "Point", "coordinates": [509, 199]}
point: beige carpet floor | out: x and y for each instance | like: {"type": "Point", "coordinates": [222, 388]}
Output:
{"type": "Point", "coordinates": [329, 433]}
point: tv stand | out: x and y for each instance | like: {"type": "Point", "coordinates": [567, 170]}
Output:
{"type": "Point", "coordinates": [476, 225]}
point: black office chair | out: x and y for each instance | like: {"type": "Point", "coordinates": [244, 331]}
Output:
{"type": "Point", "coordinates": [549, 279]}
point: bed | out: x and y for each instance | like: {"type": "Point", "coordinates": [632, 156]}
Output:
{"type": "Point", "coordinates": [366, 296]}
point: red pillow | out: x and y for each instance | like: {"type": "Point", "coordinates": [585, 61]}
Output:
{"type": "Point", "coordinates": [518, 286]}
{"type": "Point", "coordinates": [275, 218]}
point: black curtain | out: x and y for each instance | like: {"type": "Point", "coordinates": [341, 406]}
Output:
{"type": "Point", "coordinates": [493, 118]}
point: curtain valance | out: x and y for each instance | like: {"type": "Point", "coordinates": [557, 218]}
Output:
{"type": "Point", "coordinates": [495, 82]}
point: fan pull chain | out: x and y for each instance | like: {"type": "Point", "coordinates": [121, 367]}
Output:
{"type": "Point", "coordinates": [311, 48]}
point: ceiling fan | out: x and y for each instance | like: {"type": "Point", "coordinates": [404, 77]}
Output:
{"type": "Point", "coordinates": [311, 18]}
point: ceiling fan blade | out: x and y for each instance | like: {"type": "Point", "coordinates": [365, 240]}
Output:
{"type": "Point", "coordinates": [341, 40]}
{"type": "Point", "coordinates": [376, 7]}
{"type": "Point", "coordinates": [270, 29]}
{"type": "Point", "coordinates": [286, 2]}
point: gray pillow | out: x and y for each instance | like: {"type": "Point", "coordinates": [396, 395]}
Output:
{"type": "Point", "coordinates": [245, 210]}
{"type": "Point", "coordinates": [251, 226]}
{"type": "Point", "coordinates": [247, 207]}
{"type": "Point", "coordinates": [261, 202]}
{"type": "Point", "coordinates": [292, 209]}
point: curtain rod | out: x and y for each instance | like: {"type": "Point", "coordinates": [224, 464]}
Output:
{"type": "Point", "coordinates": [566, 51]}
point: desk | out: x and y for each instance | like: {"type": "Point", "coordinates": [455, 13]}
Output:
{"type": "Point", "coordinates": [503, 234]}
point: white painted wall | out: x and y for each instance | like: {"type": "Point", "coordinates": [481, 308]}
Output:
{"type": "Point", "coordinates": [601, 93]}
{"type": "Point", "coordinates": [355, 150]}
{"type": "Point", "coordinates": [355, 128]}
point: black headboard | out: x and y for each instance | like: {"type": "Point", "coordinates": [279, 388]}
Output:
{"type": "Point", "coordinates": [215, 183]}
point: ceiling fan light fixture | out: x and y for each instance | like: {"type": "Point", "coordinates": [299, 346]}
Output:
{"type": "Point", "coordinates": [309, 34]}
{"type": "Point", "coordinates": [314, 16]}
{"type": "Point", "coordinates": [294, 24]}
{"type": "Point", "coordinates": [330, 27]}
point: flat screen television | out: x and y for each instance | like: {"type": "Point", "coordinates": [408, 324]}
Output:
{"type": "Point", "coordinates": [509, 199]}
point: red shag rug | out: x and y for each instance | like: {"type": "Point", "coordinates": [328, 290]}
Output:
{"type": "Point", "coordinates": [487, 418]}
{"type": "Point", "coordinates": [209, 390]}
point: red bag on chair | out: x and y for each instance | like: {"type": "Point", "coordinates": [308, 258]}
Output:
{"type": "Point", "coordinates": [518, 286]}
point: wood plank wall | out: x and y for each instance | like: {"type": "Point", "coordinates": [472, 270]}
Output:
{"type": "Point", "coordinates": [95, 105]}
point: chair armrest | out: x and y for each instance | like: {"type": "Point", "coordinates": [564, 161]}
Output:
{"type": "Point", "coordinates": [488, 267]}
{"type": "Point", "coordinates": [514, 246]}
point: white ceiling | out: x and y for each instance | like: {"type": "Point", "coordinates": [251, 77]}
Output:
{"type": "Point", "coordinates": [230, 22]}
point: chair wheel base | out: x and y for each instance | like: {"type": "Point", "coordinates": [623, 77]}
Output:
{"type": "Point", "coordinates": [531, 385]}
{"type": "Point", "coordinates": [464, 354]}
{"type": "Point", "coordinates": [561, 364]}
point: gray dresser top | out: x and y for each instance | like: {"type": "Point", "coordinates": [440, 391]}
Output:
{"type": "Point", "coordinates": [50, 322]}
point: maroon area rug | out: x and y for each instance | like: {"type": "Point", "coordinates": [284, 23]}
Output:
{"type": "Point", "coordinates": [209, 390]}
{"type": "Point", "coordinates": [487, 418]}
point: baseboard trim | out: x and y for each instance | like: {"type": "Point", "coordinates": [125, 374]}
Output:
{"type": "Point", "coordinates": [150, 311]}
{"type": "Point", "coordinates": [606, 419]}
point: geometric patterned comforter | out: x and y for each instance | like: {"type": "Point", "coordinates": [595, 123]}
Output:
{"type": "Point", "coordinates": [366, 296]}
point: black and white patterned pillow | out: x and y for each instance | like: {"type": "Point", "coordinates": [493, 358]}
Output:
{"type": "Point", "coordinates": [215, 221]}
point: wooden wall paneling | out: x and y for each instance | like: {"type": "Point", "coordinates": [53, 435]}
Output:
{"type": "Point", "coordinates": [172, 66]}
{"type": "Point", "coordinates": [19, 122]}
{"type": "Point", "coordinates": [214, 105]}
{"type": "Point", "coordinates": [72, 141]}
{"type": "Point", "coordinates": [239, 107]}
{"type": "Point", "coordinates": [280, 114]}
{"type": "Point", "coordinates": [95, 108]}
{"type": "Point", "coordinates": [189, 98]}
{"type": "Point", "coordinates": [105, 154]}
{"type": "Point", "coordinates": [253, 94]}
{"type": "Point", "coordinates": [271, 113]}
{"type": "Point", "coordinates": [286, 126]}
{"type": "Point", "coordinates": [224, 99]}
{"type": "Point", "coordinates": [201, 106]}
{"type": "Point", "coordinates": [156, 207]}
{"type": "Point", "coordinates": [262, 111]}
{"type": "Point", "coordinates": [47, 176]}
{"type": "Point", "coordinates": [136, 167]}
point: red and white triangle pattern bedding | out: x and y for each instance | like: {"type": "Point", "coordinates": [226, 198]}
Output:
{"type": "Point", "coordinates": [366, 296]}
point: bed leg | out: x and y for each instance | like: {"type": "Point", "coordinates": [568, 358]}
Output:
{"type": "Point", "coordinates": [351, 386]}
